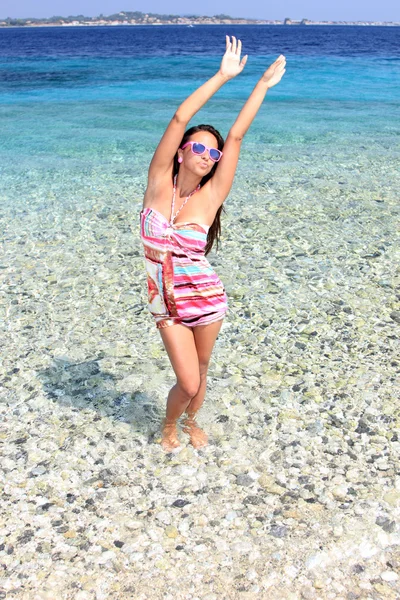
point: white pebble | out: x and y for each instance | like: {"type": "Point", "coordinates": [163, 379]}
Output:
{"type": "Point", "coordinates": [389, 576]}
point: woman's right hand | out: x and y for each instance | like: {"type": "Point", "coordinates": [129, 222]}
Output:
{"type": "Point", "coordinates": [231, 65]}
{"type": "Point", "coordinates": [275, 72]}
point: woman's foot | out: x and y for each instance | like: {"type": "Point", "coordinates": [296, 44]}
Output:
{"type": "Point", "coordinates": [169, 436]}
{"type": "Point", "coordinates": [198, 438]}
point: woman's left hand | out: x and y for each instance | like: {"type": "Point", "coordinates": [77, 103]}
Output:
{"type": "Point", "coordinates": [275, 72]}
{"type": "Point", "coordinates": [231, 65]}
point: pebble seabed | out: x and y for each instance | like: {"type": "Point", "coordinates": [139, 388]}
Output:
{"type": "Point", "coordinates": [297, 494]}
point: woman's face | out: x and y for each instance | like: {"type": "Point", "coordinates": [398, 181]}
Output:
{"type": "Point", "coordinates": [200, 165]}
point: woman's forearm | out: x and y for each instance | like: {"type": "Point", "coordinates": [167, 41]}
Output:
{"type": "Point", "coordinates": [249, 110]}
{"type": "Point", "coordinates": [195, 101]}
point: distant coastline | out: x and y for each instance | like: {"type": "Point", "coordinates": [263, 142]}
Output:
{"type": "Point", "coordinates": [139, 18]}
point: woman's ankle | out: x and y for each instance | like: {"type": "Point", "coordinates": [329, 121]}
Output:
{"type": "Point", "coordinates": [190, 417]}
{"type": "Point", "coordinates": [169, 422]}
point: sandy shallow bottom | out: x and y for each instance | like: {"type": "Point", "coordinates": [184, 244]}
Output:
{"type": "Point", "coordinates": [298, 493]}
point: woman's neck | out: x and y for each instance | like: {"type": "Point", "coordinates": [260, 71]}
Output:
{"type": "Point", "coordinates": [186, 183]}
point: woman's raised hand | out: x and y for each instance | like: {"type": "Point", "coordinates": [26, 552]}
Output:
{"type": "Point", "coordinates": [231, 65]}
{"type": "Point", "coordinates": [275, 72]}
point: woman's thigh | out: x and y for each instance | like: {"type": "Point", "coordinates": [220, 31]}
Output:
{"type": "Point", "coordinates": [205, 337]}
{"type": "Point", "coordinates": [181, 348]}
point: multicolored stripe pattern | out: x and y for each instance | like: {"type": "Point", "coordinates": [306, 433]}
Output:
{"type": "Point", "coordinates": [182, 286]}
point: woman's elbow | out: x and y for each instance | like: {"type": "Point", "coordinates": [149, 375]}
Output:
{"type": "Point", "coordinates": [180, 118]}
{"type": "Point", "coordinates": [235, 136]}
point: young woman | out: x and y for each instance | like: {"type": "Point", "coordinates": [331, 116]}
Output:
{"type": "Point", "coordinates": [189, 178]}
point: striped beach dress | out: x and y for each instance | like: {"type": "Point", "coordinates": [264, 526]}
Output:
{"type": "Point", "coordinates": [182, 286]}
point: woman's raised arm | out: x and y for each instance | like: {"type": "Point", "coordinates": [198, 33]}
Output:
{"type": "Point", "coordinates": [221, 183]}
{"type": "Point", "coordinates": [166, 149]}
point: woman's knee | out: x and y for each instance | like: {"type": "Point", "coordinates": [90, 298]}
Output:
{"type": "Point", "coordinates": [189, 387]}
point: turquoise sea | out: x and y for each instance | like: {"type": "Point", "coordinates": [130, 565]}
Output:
{"type": "Point", "coordinates": [82, 110]}
{"type": "Point", "coordinates": [77, 104]}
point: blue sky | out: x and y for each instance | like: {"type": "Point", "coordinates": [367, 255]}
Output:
{"type": "Point", "coordinates": [338, 10]}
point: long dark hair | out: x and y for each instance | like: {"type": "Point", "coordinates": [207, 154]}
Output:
{"type": "Point", "coordinates": [214, 232]}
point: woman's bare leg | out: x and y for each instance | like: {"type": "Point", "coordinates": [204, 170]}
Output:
{"type": "Point", "coordinates": [181, 348]}
{"type": "Point", "coordinates": [205, 337]}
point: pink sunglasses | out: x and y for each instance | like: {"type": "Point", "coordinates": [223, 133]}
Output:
{"type": "Point", "coordinates": [199, 149]}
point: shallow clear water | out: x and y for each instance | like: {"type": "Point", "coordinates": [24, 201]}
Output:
{"type": "Point", "coordinates": [302, 405]}
{"type": "Point", "coordinates": [312, 218]}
